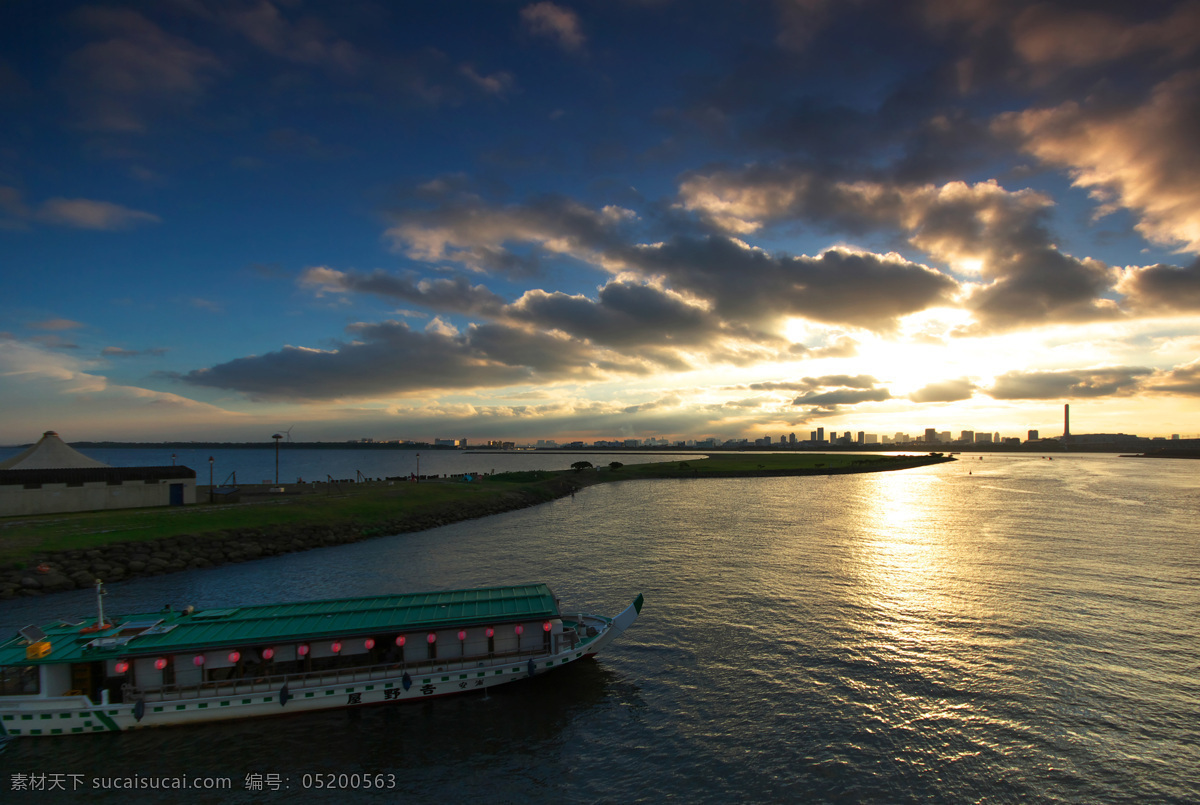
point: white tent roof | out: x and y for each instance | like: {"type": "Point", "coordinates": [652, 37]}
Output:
{"type": "Point", "coordinates": [50, 453]}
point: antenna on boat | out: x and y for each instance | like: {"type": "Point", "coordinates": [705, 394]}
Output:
{"type": "Point", "coordinates": [100, 593]}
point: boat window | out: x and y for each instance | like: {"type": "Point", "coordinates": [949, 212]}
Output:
{"type": "Point", "coordinates": [18, 680]}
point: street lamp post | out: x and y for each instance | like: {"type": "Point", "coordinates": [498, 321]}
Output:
{"type": "Point", "coordinates": [210, 479]}
{"type": "Point", "coordinates": [418, 468]}
{"type": "Point", "coordinates": [277, 437]}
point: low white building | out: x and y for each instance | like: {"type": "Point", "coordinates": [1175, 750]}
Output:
{"type": "Point", "coordinates": [51, 477]}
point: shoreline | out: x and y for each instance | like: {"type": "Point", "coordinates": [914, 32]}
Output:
{"type": "Point", "coordinates": [48, 572]}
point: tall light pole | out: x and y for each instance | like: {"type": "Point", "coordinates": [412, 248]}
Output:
{"type": "Point", "coordinates": [277, 437]}
{"type": "Point", "coordinates": [210, 479]}
{"type": "Point", "coordinates": [418, 468]}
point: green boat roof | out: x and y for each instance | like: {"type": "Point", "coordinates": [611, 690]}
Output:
{"type": "Point", "coordinates": [170, 632]}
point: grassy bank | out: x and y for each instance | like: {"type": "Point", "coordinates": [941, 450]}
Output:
{"type": "Point", "coordinates": [359, 504]}
{"type": "Point", "coordinates": [374, 509]}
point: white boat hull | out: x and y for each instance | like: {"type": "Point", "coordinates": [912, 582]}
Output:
{"type": "Point", "coordinates": [22, 716]}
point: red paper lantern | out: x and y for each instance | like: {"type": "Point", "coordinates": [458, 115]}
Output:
{"type": "Point", "coordinates": [121, 667]}
{"type": "Point", "coordinates": [198, 660]}
{"type": "Point", "coordinates": [491, 632]}
{"type": "Point", "coordinates": [546, 626]}
{"type": "Point", "coordinates": [369, 643]}
{"type": "Point", "coordinates": [519, 629]}
{"type": "Point", "coordinates": [462, 634]}
{"type": "Point", "coordinates": [302, 650]}
{"type": "Point", "coordinates": [268, 653]}
{"type": "Point", "coordinates": [401, 640]}
{"type": "Point", "coordinates": [160, 664]}
{"type": "Point", "coordinates": [336, 646]}
{"type": "Point", "coordinates": [431, 638]}
{"type": "Point", "coordinates": [234, 656]}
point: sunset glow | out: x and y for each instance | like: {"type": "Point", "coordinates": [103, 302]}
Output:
{"type": "Point", "coordinates": [526, 221]}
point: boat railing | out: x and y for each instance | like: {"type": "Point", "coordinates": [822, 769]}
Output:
{"type": "Point", "coordinates": [331, 676]}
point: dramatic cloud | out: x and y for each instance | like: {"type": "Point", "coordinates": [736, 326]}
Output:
{"type": "Point", "coordinates": [838, 397]}
{"type": "Point", "coordinates": [389, 359]}
{"type": "Point", "coordinates": [1047, 36]}
{"type": "Point", "coordinates": [808, 384]}
{"type": "Point", "coordinates": [945, 391]}
{"type": "Point", "coordinates": [1117, 380]}
{"type": "Point", "coordinates": [839, 286]}
{"type": "Point", "coordinates": [469, 232]}
{"type": "Point", "coordinates": [444, 294]}
{"type": "Point", "coordinates": [1162, 288]}
{"type": "Point", "coordinates": [1143, 157]}
{"type": "Point", "coordinates": [624, 315]}
{"type": "Point", "coordinates": [554, 22]}
{"type": "Point", "coordinates": [973, 228]}
{"type": "Point", "coordinates": [1180, 380]}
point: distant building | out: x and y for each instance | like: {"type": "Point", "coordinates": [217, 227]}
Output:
{"type": "Point", "coordinates": [872, 438]}
{"type": "Point", "coordinates": [931, 436]}
{"type": "Point", "coordinates": [1033, 435]}
{"type": "Point", "coordinates": [51, 477]}
{"type": "Point", "coordinates": [967, 436]}
{"type": "Point", "coordinates": [983, 438]}
{"type": "Point", "coordinates": [820, 434]}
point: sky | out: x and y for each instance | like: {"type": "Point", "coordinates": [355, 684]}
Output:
{"type": "Point", "coordinates": [592, 220]}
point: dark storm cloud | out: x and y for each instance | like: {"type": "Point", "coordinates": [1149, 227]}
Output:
{"type": "Point", "coordinates": [1107, 382]}
{"type": "Point", "coordinates": [945, 391]}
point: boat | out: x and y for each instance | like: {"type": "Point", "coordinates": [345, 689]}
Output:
{"type": "Point", "coordinates": [186, 666]}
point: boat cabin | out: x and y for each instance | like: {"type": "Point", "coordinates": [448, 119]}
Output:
{"type": "Point", "coordinates": [180, 654]}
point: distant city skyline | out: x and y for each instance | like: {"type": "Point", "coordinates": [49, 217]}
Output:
{"type": "Point", "coordinates": [570, 220]}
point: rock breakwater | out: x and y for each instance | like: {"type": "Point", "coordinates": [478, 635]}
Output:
{"type": "Point", "coordinates": [78, 569]}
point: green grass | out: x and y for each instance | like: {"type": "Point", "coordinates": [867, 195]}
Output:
{"type": "Point", "coordinates": [749, 464]}
{"type": "Point", "coordinates": [22, 537]}
{"type": "Point", "coordinates": [379, 505]}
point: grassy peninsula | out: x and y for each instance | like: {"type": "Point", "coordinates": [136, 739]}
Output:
{"type": "Point", "coordinates": [48, 553]}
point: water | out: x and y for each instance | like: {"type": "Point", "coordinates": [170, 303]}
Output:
{"type": "Point", "coordinates": [257, 465]}
{"type": "Point", "coordinates": [1004, 630]}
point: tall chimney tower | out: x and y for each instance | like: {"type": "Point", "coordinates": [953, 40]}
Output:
{"type": "Point", "coordinates": [1066, 422]}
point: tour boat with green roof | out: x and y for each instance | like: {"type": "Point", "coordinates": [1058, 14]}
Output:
{"type": "Point", "coordinates": [188, 666]}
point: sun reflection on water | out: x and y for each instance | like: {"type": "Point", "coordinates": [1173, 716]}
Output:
{"type": "Point", "coordinates": [905, 565]}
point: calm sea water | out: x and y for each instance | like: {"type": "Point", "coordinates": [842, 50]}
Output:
{"type": "Point", "coordinates": [1009, 629]}
{"type": "Point", "coordinates": [254, 466]}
